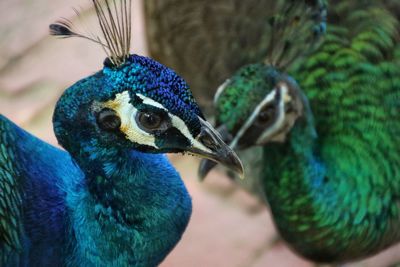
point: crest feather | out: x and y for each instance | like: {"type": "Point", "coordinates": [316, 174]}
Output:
{"type": "Point", "coordinates": [114, 19]}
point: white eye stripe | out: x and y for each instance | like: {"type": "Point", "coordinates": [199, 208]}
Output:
{"type": "Point", "coordinates": [177, 122]}
{"type": "Point", "coordinates": [220, 89]}
{"type": "Point", "coordinates": [269, 98]}
{"type": "Point", "coordinates": [127, 112]}
{"type": "Point", "coordinates": [280, 120]}
{"type": "Point", "coordinates": [281, 114]}
{"type": "Point", "coordinates": [151, 102]}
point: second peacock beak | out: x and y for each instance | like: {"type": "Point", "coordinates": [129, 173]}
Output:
{"type": "Point", "coordinates": [214, 149]}
{"type": "Point", "coordinates": [207, 165]}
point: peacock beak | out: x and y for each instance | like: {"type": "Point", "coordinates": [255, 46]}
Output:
{"type": "Point", "coordinates": [205, 167]}
{"type": "Point", "coordinates": [211, 146]}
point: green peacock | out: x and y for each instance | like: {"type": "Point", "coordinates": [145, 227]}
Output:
{"type": "Point", "coordinates": [323, 127]}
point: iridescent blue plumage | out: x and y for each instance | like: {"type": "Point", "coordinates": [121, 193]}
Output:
{"type": "Point", "coordinates": [138, 75]}
{"type": "Point", "coordinates": [39, 224]}
{"type": "Point", "coordinates": [64, 208]}
{"type": "Point", "coordinates": [154, 79]}
{"type": "Point", "coordinates": [110, 199]}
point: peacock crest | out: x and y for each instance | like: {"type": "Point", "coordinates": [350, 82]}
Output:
{"type": "Point", "coordinates": [114, 19]}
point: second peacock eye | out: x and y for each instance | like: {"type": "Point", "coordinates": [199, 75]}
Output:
{"type": "Point", "coordinates": [149, 120]}
{"type": "Point", "coordinates": [266, 115]}
{"type": "Point", "coordinates": [108, 120]}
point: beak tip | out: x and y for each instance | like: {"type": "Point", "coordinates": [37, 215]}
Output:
{"type": "Point", "coordinates": [240, 171]}
{"type": "Point", "coordinates": [215, 150]}
{"type": "Point", "coordinates": [201, 177]}
{"type": "Point", "coordinates": [236, 165]}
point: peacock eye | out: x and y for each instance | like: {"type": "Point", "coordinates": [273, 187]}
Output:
{"type": "Point", "coordinates": [266, 115]}
{"type": "Point", "coordinates": [108, 120]}
{"type": "Point", "coordinates": [149, 120]}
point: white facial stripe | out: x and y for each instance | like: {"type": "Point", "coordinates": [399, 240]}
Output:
{"type": "Point", "coordinates": [181, 126]}
{"type": "Point", "coordinates": [177, 122]}
{"type": "Point", "coordinates": [270, 97]}
{"type": "Point", "coordinates": [220, 89]}
{"type": "Point", "coordinates": [281, 113]}
{"type": "Point", "coordinates": [151, 102]}
{"type": "Point", "coordinates": [127, 112]}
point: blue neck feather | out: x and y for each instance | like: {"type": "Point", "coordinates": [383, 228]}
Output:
{"type": "Point", "coordinates": [105, 207]}
{"type": "Point", "coordinates": [134, 208]}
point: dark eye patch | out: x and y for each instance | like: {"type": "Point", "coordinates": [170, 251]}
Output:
{"type": "Point", "coordinates": [172, 138]}
{"type": "Point", "coordinates": [266, 116]}
{"type": "Point", "coordinates": [265, 119]}
{"type": "Point", "coordinates": [269, 112]}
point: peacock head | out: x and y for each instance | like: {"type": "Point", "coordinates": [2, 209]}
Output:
{"type": "Point", "coordinates": [256, 106]}
{"type": "Point", "coordinates": [133, 103]}
{"type": "Point", "coordinates": [140, 105]}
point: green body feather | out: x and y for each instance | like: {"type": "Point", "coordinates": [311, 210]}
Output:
{"type": "Point", "coordinates": [336, 197]}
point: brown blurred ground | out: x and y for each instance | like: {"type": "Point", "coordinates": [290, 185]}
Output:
{"type": "Point", "coordinates": [228, 226]}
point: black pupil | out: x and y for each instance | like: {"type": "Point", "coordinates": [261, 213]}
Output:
{"type": "Point", "coordinates": [108, 120]}
{"type": "Point", "coordinates": [266, 115]}
{"type": "Point", "coordinates": [150, 120]}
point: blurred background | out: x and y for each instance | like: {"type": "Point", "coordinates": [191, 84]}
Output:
{"type": "Point", "coordinates": [229, 227]}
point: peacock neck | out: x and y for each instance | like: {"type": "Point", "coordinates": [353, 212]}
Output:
{"type": "Point", "coordinates": [294, 168]}
{"type": "Point", "coordinates": [324, 198]}
{"type": "Point", "coordinates": [131, 208]}
{"type": "Point", "coordinates": [303, 201]}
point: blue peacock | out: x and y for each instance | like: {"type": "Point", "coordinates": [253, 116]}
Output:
{"type": "Point", "coordinates": [112, 198]}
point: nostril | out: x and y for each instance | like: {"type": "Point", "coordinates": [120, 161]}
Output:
{"type": "Point", "coordinates": [207, 140]}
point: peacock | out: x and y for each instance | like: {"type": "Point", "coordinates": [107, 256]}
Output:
{"type": "Point", "coordinates": [111, 198]}
{"type": "Point", "coordinates": [325, 124]}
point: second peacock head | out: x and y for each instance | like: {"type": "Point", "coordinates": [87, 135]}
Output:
{"type": "Point", "coordinates": [256, 106]}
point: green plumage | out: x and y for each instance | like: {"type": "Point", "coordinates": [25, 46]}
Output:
{"type": "Point", "coordinates": [336, 197]}
{"type": "Point", "coordinates": [253, 81]}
